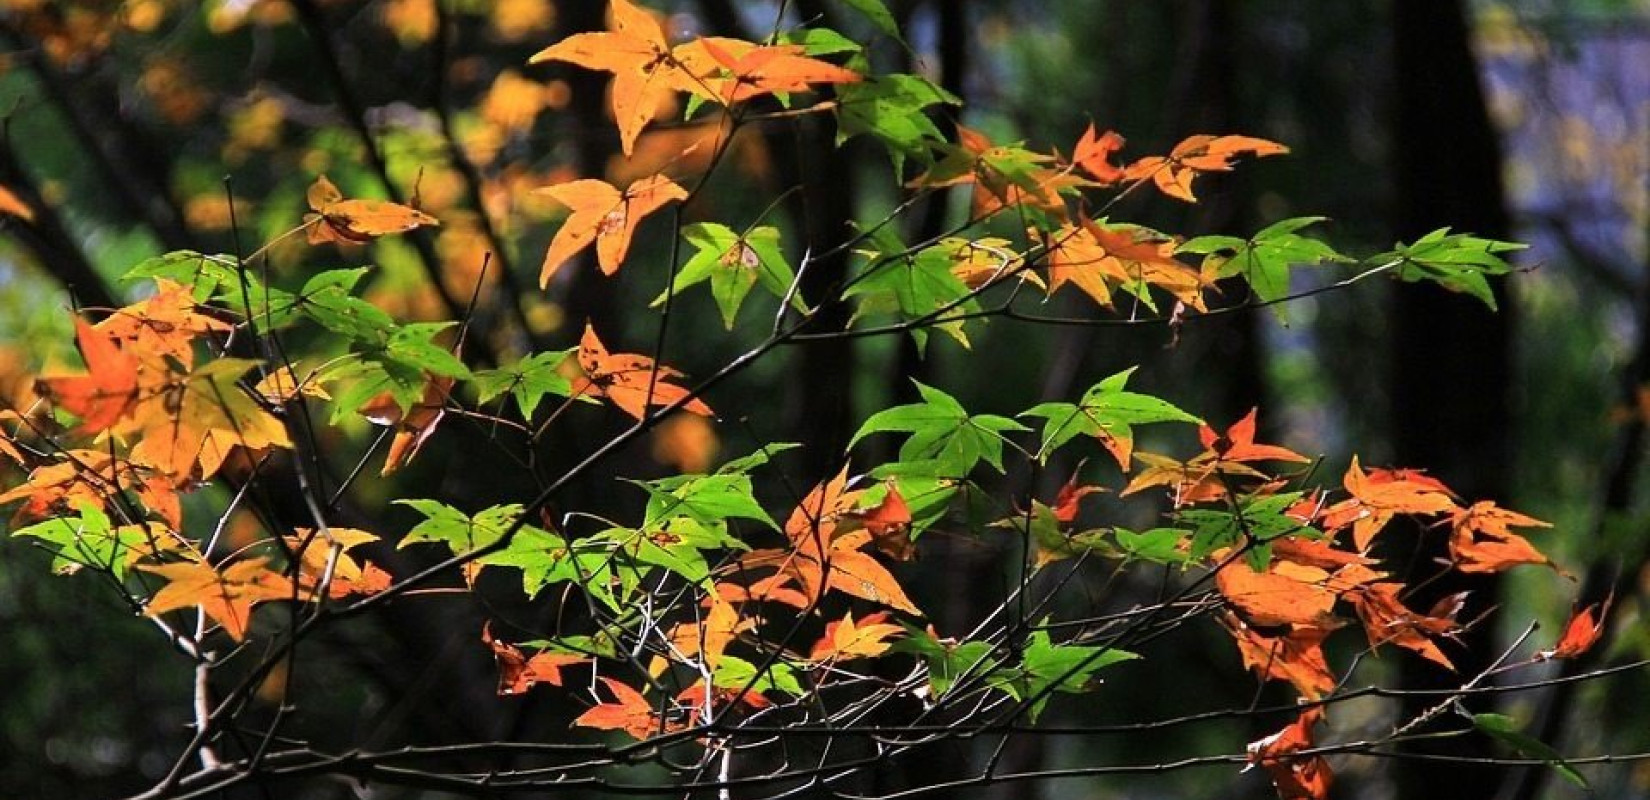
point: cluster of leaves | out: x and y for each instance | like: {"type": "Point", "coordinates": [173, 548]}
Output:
{"type": "Point", "coordinates": [704, 612]}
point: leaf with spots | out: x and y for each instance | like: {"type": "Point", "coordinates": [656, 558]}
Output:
{"type": "Point", "coordinates": [603, 216]}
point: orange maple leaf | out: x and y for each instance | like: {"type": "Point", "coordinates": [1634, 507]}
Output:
{"type": "Point", "coordinates": [1296, 657]}
{"type": "Point", "coordinates": [845, 639]}
{"type": "Point", "coordinates": [972, 160]}
{"type": "Point", "coordinates": [166, 324]}
{"type": "Point", "coordinates": [517, 673]}
{"type": "Point", "coordinates": [603, 215]}
{"type": "Point", "coordinates": [1238, 443]}
{"type": "Point", "coordinates": [1580, 634]}
{"type": "Point", "coordinates": [279, 386]}
{"type": "Point", "coordinates": [1285, 593]}
{"type": "Point", "coordinates": [413, 427]}
{"type": "Point", "coordinates": [336, 219]}
{"type": "Point", "coordinates": [109, 389]}
{"type": "Point", "coordinates": [695, 698]}
{"type": "Point", "coordinates": [646, 70]}
{"type": "Point", "coordinates": [1381, 494]}
{"type": "Point", "coordinates": [628, 380]}
{"type": "Point", "coordinates": [631, 714]}
{"type": "Point", "coordinates": [1481, 539]}
{"type": "Point", "coordinates": [841, 565]}
{"type": "Point", "coordinates": [1189, 482]}
{"type": "Point", "coordinates": [187, 427]}
{"type": "Point", "coordinates": [1173, 174]}
{"type": "Point", "coordinates": [776, 587]}
{"type": "Point", "coordinates": [226, 595]}
{"type": "Point", "coordinates": [822, 557]}
{"type": "Point", "coordinates": [889, 524]}
{"type": "Point", "coordinates": [1295, 778]}
{"type": "Point", "coordinates": [1070, 496]}
{"type": "Point", "coordinates": [92, 477]}
{"type": "Point", "coordinates": [1205, 477]}
{"type": "Point", "coordinates": [1387, 620]}
{"type": "Point", "coordinates": [708, 639]}
{"type": "Point", "coordinates": [1093, 155]}
{"type": "Point", "coordinates": [343, 574]}
{"type": "Point", "coordinates": [1096, 259]}
{"type": "Point", "coordinates": [747, 70]}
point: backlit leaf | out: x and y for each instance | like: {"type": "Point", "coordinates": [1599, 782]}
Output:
{"type": "Point", "coordinates": [1296, 778]}
{"type": "Point", "coordinates": [356, 221]}
{"type": "Point", "coordinates": [630, 381]}
{"type": "Point", "coordinates": [226, 595]}
{"type": "Point", "coordinates": [1107, 412]}
{"type": "Point", "coordinates": [605, 217]}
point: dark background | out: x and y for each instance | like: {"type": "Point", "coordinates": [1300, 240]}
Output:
{"type": "Point", "coordinates": [1522, 120]}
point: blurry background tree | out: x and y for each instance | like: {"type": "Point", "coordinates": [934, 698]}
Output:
{"type": "Point", "coordinates": [131, 126]}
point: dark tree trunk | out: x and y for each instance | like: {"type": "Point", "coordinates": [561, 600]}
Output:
{"type": "Point", "coordinates": [1205, 101]}
{"type": "Point", "coordinates": [1451, 359]}
{"type": "Point", "coordinates": [819, 411]}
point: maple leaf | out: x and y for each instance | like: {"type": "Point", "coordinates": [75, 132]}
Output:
{"type": "Point", "coordinates": [1296, 657]}
{"type": "Point", "coordinates": [844, 639]}
{"type": "Point", "coordinates": [889, 524]}
{"type": "Point", "coordinates": [626, 379]}
{"type": "Point", "coordinates": [1481, 539]}
{"type": "Point", "coordinates": [336, 219]}
{"type": "Point", "coordinates": [1381, 494]}
{"type": "Point", "coordinates": [108, 390]}
{"type": "Point", "coordinates": [1205, 477]}
{"type": "Point", "coordinates": [279, 386]}
{"type": "Point", "coordinates": [646, 70]}
{"type": "Point", "coordinates": [775, 587]}
{"type": "Point", "coordinates": [1173, 174]}
{"type": "Point", "coordinates": [517, 673]}
{"type": "Point", "coordinates": [1265, 259]}
{"type": "Point", "coordinates": [91, 477]}
{"type": "Point", "coordinates": [412, 427]}
{"type": "Point", "coordinates": [1107, 412]}
{"type": "Point", "coordinates": [1093, 155]}
{"type": "Point", "coordinates": [631, 714]}
{"type": "Point", "coordinates": [707, 639]}
{"type": "Point", "coordinates": [977, 262]}
{"type": "Point", "coordinates": [821, 557]}
{"type": "Point", "coordinates": [1095, 258]}
{"type": "Point", "coordinates": [1458, 262]}
{"type": "Point", "coordinates": [1189, 482]}
{"type": "Point", "coordinates": [226, 595]}
{"type": "Point", "coordinates": [166, 324]}
{"type": "Point", "coordinates": [1387, 620]}
{"type": "Point", "coordinates": [1285, 593]}
{"type": "Point", "coordinates": [1238, 443]}
{"type": "Point", "coordinates": [844, 568]}
{"type": "Point", "coordinates": [745, 70]}
{"type": "Point", "coordinates": [1004, 176]}
{"type": "Point", "coordinates": [188, 426]}
{"type": "Point", "coordinates": [1580, 633]}
{"type": "Point", "coordinates": [696, 698]}
{"type": "Point", "coordinates": [603, 215]}
{"type": "Point", "coordinates": [1295, 778]}
{"type": "Point", "coordinates": [1071, 494]}
{"type": "Point", "coordinates": [344, 575]}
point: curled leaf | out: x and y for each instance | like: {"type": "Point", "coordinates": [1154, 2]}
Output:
{"type": "Point", "coordinates": [1580, 633]}
{"type": "Point", "coordinates": [344, 221]}
{"type": "Point", "coordinates": [1296, 778]}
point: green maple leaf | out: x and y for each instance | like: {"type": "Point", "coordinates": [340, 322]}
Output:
{"type": "Point", "coordinates": [1265, 259]}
